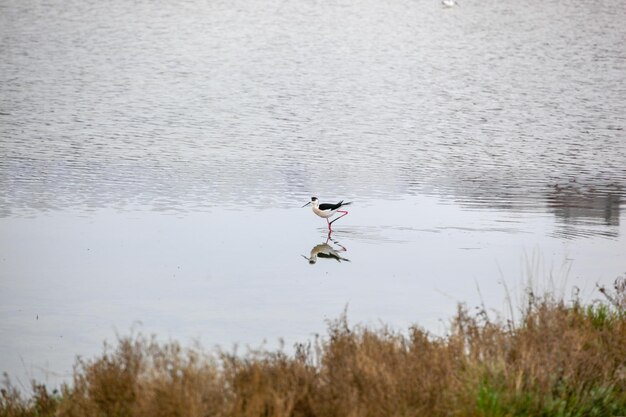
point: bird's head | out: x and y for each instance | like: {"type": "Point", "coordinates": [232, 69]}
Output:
{"type": "Point", "coordinates": [313, 200]}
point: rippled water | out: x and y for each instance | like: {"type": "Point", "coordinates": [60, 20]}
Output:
{"type": "Point", "coordinates": [155, 156]}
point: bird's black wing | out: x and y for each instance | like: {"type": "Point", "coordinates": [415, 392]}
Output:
{"type": "Point", "coordinates": [332, 206]}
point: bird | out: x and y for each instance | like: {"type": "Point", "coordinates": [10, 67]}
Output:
{"type": "Point", "coordinates": [449, 3]}
{"type": "Point", "coordinates": [326, 210]}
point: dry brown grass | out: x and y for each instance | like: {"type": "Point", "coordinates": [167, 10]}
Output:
{"type": "Point", "coordinates": [561, 359]}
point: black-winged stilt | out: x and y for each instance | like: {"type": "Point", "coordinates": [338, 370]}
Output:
{"type": "Point", "coordinates": [327, 210]}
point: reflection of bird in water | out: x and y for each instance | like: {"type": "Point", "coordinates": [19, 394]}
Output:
{"type": "Point", "coordinates": [324, 250]}
{"type": "Point", "coordinates": [327, 210]}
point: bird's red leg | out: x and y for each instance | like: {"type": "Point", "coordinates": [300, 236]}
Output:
{"type": "Point", "coordinates": [345, 213]}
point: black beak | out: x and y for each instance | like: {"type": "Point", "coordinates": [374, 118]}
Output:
{"type": "Point", "coordinates": [306, 204]}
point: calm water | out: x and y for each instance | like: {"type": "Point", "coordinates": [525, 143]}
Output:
{"type": "Point", "coordinates": [155, 156]}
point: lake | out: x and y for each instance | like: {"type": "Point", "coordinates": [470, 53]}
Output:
{"type": "Point", "coordinates": [156, 156]}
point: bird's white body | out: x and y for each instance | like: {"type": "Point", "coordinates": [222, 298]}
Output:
{"type": "Point", "coordinates": [322, 213]}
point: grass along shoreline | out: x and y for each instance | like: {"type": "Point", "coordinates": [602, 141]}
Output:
{"type": "Point", "coordinates": [560, 359]}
